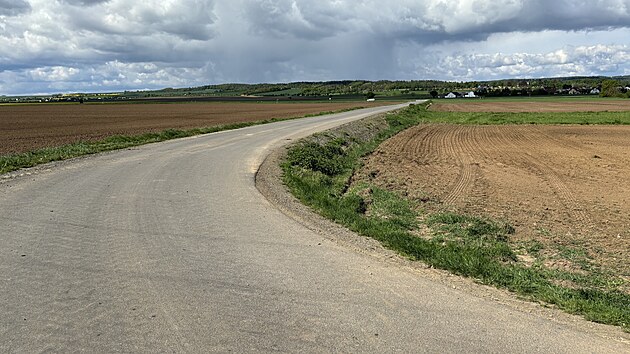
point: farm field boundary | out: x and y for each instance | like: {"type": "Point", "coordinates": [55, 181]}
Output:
{"type": "Point", "coordinates": [540, 104]}
{"type": "Point", "coordinates": [325, 173]}
{"type": "Point", "coordinates": [37, 134]}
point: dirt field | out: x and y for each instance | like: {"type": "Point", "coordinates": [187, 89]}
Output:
{"type": "Point", "coordinates": [476, 105]}
{"type": "Point", "coordinates": [559, 184]}
{"type": "Point", "coordinates": [29, 127]}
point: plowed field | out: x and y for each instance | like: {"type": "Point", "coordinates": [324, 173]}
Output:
{"type": "Point", "coordinates": [553, 183]}
{"type": "Point", "coordinates": [29, 127]}
{"type": "Point", "coordinates": [575, 105]}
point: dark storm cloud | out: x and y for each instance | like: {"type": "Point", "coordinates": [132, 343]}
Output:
{"type": "Point", "coordinates": [287, 18]}
{"type": "Point", "coordinates": [188, 20]}
{"type": "Point", "coordinates": [436, 21]}
{"type": "Point", "coordinates": [573, 15]}
{"type": "Point", "coordinates": [429, 21]}
{"type": "Point", "coordinates": [85, 2]}
{"type": "Point", "coordinates": [14, 7]}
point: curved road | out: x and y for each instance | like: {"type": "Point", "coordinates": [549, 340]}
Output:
{"type": "Point", "coordinates": [170, 248]}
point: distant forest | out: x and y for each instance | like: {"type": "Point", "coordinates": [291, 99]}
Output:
{"type": "Point", "coordinates": [597, 85]}
{"type": "Point", "coordinates": [410, 89]}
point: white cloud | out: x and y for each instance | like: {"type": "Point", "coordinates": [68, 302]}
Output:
{"type": "Point", "coordinates": [583, 60]}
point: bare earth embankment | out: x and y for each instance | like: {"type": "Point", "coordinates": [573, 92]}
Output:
{"type": "Point", "coordinates": [29, 127]}
{"type": "Point", "coordinates": [563, 185]}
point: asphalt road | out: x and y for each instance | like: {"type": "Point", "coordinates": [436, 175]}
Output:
{"type": "Point", "coordinates": [171, 248]}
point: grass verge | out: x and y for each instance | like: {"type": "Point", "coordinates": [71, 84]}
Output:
{"type": "Point", "coordinates": [486, 118]}
{"type": "Point", "coordinates": [318, 172]}
{"type": "Point", "coordinates": [13, 162]}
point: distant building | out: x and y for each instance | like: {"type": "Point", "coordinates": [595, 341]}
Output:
{"type": "Point", "coordinates": [595, 91]}
{"type": "Point", "coordinates": [470, 95]}
{"type": "Point", "coordinates": [451, 95]}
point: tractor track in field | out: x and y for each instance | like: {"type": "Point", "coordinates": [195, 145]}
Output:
{"type": "Point", "coordinates": [569, 181]}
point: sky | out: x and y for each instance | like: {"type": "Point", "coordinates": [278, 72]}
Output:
{"type": "Point", "coordinates": [59, 46]}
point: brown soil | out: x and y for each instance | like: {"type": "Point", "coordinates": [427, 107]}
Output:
{"type": "Point", "coordinates": [29, 127]}
{"type": "Point", "coordinates": [563, 184]}
{"type": "Point", "coordinates": [461, 105]}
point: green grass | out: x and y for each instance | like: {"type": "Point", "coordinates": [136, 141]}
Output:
{"type": "Point", "coordinates": [318, 173]}
{"type": "Point", "coordinates": [486, 118]}
{"type": "Point", "coordinates": [549, 98]}
{"type": "Point", "coordinates": [14, 162]}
